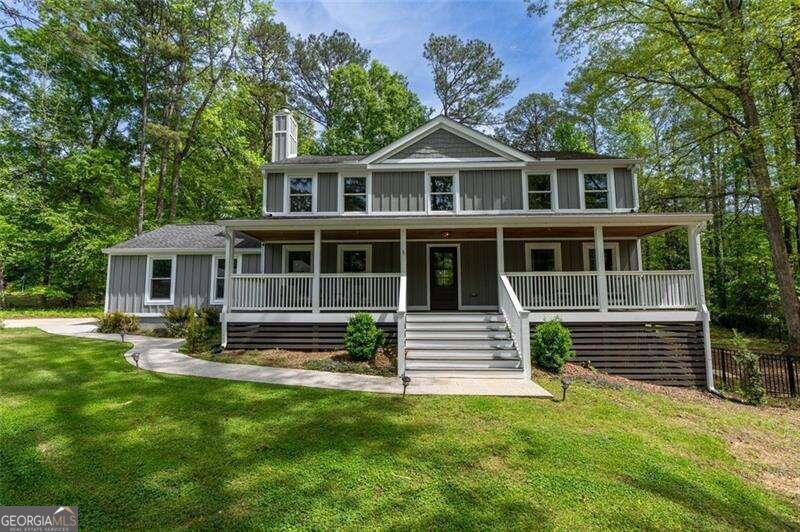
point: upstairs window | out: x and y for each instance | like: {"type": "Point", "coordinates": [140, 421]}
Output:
{"type": "Point", "coordinates": [160, 280]}
{"type": "Point", "coordinates": [300, 194]}
{"type": "Point", "coordinates": [442, 193]}
{"type": "Point", "coordinates": [595, 188]}
{"type": "Point", "coordinates": [355, 194]}
{"type": "Point", "coordinates": [540, 196]}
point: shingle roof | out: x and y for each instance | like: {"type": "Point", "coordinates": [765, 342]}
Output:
{"type": "Point", "coordinates": [186, 236]}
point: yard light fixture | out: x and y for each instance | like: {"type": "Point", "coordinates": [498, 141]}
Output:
{"type": "Point", "coordinates": [406, 381]}
{"type": "Point", "coordinates": [135, 356]}
{"type": "Point", "coordinates": [565, 382]}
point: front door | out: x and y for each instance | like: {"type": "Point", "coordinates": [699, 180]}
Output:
{"type": "Point", "coordinates": [444, 278]}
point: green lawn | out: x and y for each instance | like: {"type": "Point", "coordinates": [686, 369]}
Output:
{"type": "Point", "coordinates": [69, 312]}
{"type": "Point", "coordinates": [135, 449]}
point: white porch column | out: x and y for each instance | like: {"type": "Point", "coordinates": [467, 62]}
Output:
{"type": "Point", "coordinates": [600, 267]}
{"type": "Point", "coordinates": [227, 299]}
{"type": "Point", "coordinates": [696, 261]}
{"type": "Point", "coordinates": [315, 285]}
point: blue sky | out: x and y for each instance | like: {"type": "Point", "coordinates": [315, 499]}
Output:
{"type": "Point", "coordinates": [395, 31]}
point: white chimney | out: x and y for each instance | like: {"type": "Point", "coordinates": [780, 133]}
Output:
{"type": "Point", "coordinates": [284, 136]}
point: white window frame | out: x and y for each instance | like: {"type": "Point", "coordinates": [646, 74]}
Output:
{"type": "Point", "coordinates": [149, 279]}
{"type": "Point", "coordinates": [528, 192]}
{"type": "Point", "coordinates": [609, 173]}
{"type": "Point", "coordinates": [287, 196]}
{"type": "Point", "coordinates": [454, 192]}
{"type": "Point", "coordinates": [237, 257]}
{"type": "Point", "coordinates": [368, 194]}
{"type": "Point", "coordinates": [295, 247]}
{"type": "Point", "coordinates": [554, 246]}
{"type": "Point", "coordinates": [613, 246]}
{"type": "Point", "coordinates": [341, 248]}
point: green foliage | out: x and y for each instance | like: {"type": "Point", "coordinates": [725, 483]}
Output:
{"type": "Point", "coordinates": [117, 322]}
{"type": "Point", "coordinates": [177, 320]}
{"type": "Point", "coordinates": [751, 381]}
{"type": "Point", "coordinates": [196, 333]}
{"type": "Point", "coordinates": [34, 297]}
{"type": "Point", "coordinates": [370, 108]}
{"type": "Point", "coordinates": [567, 137]}
{"type": "Point", "coordinates": [362, 337]}
{"type": "Point", "coordinates": [210, 315]}
{"type": "Point", "coordinates": [551, 345]}
{"type": "Point", "coordinates": [531, 123]}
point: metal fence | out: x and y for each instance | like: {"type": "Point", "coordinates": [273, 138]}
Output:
{"type": "Point", "coordinates": [781, 372]}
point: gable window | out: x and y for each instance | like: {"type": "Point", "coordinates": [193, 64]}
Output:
{"type": "Point", "coordinates": [160, 280]}
{"type": "Point", "coordinates": [540, 195]}
{"type": "Point", "coordinates": [298, 259]}
{"type": "Point", "coordinates": [355, 194]}
{"type": "Point", "coordinates": [611, 256]}
{"type": "Point", "coordinates": [355, 258]}
{"type": "Point", "coordinates": [301, 194]}
{"type": "Point", "coordinates": [595, 191]}
{"type": "Point", "coordinates": [543, 256]}
{"type": "Point", "coordinates": [442, 193]}
{"type": "Point", "coordinates": [218, 277]}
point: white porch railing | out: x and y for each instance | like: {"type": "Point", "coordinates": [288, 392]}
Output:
{"type": "Point", "coordinates": [518, 322]}
{"type": "Point", "coordinates": [651, 290]}
{"type": "Point", "coordinates": [274, 291]}
{"type": "Point", "coordinates": [359, 291]}
{"type": "Point", "coordinates": [556, 290]}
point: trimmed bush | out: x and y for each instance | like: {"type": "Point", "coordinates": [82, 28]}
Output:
{"type": "Point", "coordinates": [210, 315]}
{"type": "Point", "coordinates": [117, 323]}
{"type": "Point", "coordinates": [551, 345]}
{"type": "Point", "coordinates": [362, 338]}
{"type": "Point", "coordinates": [751, 382]}
{"type": "Point", "coordinates": [177, 319]}
{"type": "Point", "coordinates": [196, 333]}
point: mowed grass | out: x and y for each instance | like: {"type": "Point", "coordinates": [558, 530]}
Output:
{"type": "Point", "coordinates": [135, 449]}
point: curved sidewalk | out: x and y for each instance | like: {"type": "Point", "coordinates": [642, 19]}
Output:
{"type": "Point", "coordinates": [161, 355]}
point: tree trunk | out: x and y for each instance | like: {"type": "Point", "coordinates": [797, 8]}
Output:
{"type": "Point", "coordinates": [174, 184]}
{"type": "Point", "coordinates": [162, 174]}
{"type": "Point", "coordinates": [143, 148]}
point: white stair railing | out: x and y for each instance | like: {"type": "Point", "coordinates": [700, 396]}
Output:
{"type": "Point", "coordinates": [359, 291]}
{"type": "Point", "coordinates": [518, 322]}
{"type": "Point", "coordinates": [275, 291]}
{"type": "Point", "coordinates": [651, 290]}
{"type": "Point", "coordinates": [401, 326]}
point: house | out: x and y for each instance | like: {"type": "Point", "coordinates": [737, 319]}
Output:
{"type": "Point", "coordinates": [457, 244]}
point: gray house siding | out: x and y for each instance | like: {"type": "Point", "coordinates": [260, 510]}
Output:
{"type": "Point", "coordinates": [623, 188]}
{"type": "Point", "coordinates": [490, 190]}
{"type": "Point", "coordinates": [273, 258]}
{"type": "Point", "coordinates": [251, 263]}
{"type": "Point", "coordinates": [478, 274]}
{"type": "Point", "coordinates": [398, 191]}
{"type": "Point", "coordinates": [274, 192]}
{"type": "Point", "coordinates": [568, 188]}
{"type": "Point", "coordinates": [571, 255]}
{"type": "Point", "coordinates": [417, 274]}
{"type": "Point", "coordinates": [327, 192]}
{"type": "Point", "coordinates": [442, 144]}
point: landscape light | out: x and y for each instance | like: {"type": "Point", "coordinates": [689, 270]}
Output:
{"type": "Point", "coordinates": [565, 382]}
{"type": "Point", "coordinates": [406, 381]}
{"type": "Point", "coordinates": [135, 356]}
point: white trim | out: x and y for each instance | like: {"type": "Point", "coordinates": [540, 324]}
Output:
{"type": "Point", "coordinates": [108, 284]}
{"type": "Point", "coordinates": [454, 192]}
{"type": "Point", "coordinates": [639, 254]}
{"type": "Point", "coordinates": [594, 316]}
{"type": "Point", "coordinates": [554, 246]}
{"type": "Point", "coordinates": [148, 301]}
{"type": "Point", "coordinates": [305, 317]}
{"type": "Point", "coordinates": [367, 194]}
{"type": "Point", "coordinates": [450, 160]}
{"type": "Point", "coordinates": [212, 296]}
{"type": "Point", "coordinates": [287, 195]}
{"type": "Point", "coordinates": [428, 270]}
{"type": "Point", "coordinates": [341, 248]}
{"type": "Point", "coordinates": [264, 191]}
{"type": "Point", "coordinates": [286, 248]}
{"type": "Point", "coordinates": [613, 246]}
{"type": "Point", "coordinates": [527, 191]}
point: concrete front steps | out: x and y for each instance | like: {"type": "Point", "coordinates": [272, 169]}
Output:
{"type": "Point", "coordinates": [460, 344]}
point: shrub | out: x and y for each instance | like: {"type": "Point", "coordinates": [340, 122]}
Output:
{"type": "Point", "coordinates": [551, 345]}
{"type": "Point", "coordinates": [362, 338]}
{"type": "Point", "coordinates": [177, 318]}
{"type": "Point", "coordinates": [751, 381]}
{"type": "Point", "coordinates": [118, 323]}
{"type": "Point", "coordinates": [210, 315]}
{"type": "Point", "coordinates": [34, 297]}
{"type": "Point", "coordinates": [196, 333]}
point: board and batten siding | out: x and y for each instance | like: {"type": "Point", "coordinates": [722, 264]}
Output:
{"type": "Point", "coordinates": [327, 192]}
{"type": "Point", "coordinates": [398, 191]}
{"type": "Point", "coordinates": [274, 192]}
{"type": "Point", "coordinates": [569, 194]}
{"type": "Point", "coordinates": [623, 188]}
{"type": "Point", "coordinates": [442, 144]}
{"type": "Point", "coordinates": [490, 190]}
{"type": "Point", "coordinates": [571, 255]}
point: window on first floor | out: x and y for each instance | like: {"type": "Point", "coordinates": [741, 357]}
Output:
{"type": "Point", "coordinates": [442, 192]}
{"type": "Point", "coordinates": [355, 194]}
{"type": "Point", "coordinates": [540, 195]}
{"type": "Point", "coordinates": [301, 190]}
{"type": "Point", "coordinates": [355, 258]}
{"type": "Point", "coordinates": [298, 259]}
{"type": "Point", "coordinates": [160, 280]}
{"type": "Point", "coordinates": [218, 277]}
{"type": "Point", "coordinates": [611, 256]}
{"type": "Point", "coordinates": [543, 257]}
{"type": "Point", "coordinates": [595, 191]}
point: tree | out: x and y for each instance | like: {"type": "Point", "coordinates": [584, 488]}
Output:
{"type": "Point", "coordinates": [468, 78]}
{"type": "Point", "coordinates": [567, 137]}
{"type": "Point", "coordinates": [313, 61]}
{"type": "Point", "coordinates": [530, 125]}
{"type": "Point", "coordinates": [370, 108]}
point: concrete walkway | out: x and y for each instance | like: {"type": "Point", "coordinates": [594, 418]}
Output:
{"type": "Point", "coordinates": [161, 355]}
